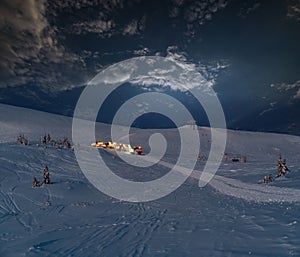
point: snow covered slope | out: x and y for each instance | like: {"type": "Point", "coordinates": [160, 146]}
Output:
{"type": "Point", "coordinates": [233, 216]}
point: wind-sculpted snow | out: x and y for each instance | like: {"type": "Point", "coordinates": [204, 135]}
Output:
{"type": "Point", "coordinates": [234, 215]}
{"type": "Point", "coordinates": [257, 193]}
{"type": "Point", "coordinates": [249, 192]}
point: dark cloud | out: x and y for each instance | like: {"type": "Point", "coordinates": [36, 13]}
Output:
{"type": "Point", "coordinates": [249, 8]}
{"type": "Point", "coordinates": [80, 4]}
{"type": "Point", "coordinates": [195, 13]}
{"type": "Point", "coordinates": [35, 41]}
{"type": "Point", "coordinates": [62, 44]}
{"type": "Point", "coordinates": [293, 9]}
{"type": "Point", "coordinates": [22, 24]}
{"type": "Point", "coordinates": [30, 51]}
{"type": "Point", "coordinates": [295, 87]}
{"type": "Point", "coordinates": [100, 27]}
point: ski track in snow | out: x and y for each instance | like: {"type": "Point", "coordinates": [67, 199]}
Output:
{"type": "Point", "coordinates": [246, 191]}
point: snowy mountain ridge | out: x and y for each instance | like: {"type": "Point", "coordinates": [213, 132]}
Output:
{"type": "Point", "coordinates": [16, 120]}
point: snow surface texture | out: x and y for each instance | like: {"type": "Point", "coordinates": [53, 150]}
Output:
{"type": "Point", "coordinates": [234, 215]}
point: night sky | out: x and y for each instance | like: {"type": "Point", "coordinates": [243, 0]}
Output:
{"type": "Point", "coordinates": [247, 50]}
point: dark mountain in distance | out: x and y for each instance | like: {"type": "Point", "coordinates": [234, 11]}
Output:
{"type": "Point", "coordinates": [283, 119]}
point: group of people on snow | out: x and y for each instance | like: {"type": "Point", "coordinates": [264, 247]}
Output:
{"type": "Point", "coordinates": [22, 140]}
{"type": "Point", "coordinates": [268, 178]}
{"type": "Point", "coordinates": [282, 169]}
{"type": "Point", "coordinates": [45, 177]}
{"type": "Point", "coordinates": [65, 143]}
{"type": "Point", "coordinates": [57, 144]}
{"type": "Point", "coordinates": [46, 138]}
